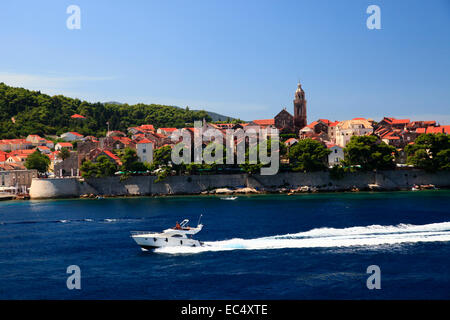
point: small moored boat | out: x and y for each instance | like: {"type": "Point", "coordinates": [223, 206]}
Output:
{"type": "Point", "coordinates": [229, 198]}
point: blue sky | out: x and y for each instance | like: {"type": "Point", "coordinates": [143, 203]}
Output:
{"type": "Point", "coordinates": [239, 58]}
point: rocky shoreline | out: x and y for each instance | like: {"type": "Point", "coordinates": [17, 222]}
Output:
{"type": "Point", "coordinates": [253, 191]}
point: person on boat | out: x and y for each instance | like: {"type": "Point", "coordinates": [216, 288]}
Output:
{"type": "Point", "coordinates": [177, 226]}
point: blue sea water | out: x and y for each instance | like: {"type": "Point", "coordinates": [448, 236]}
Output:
{"type": "Point", "coordinates": [308, 246]}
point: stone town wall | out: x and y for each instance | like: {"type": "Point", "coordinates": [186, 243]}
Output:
{"type": "Point", "coordinates": [145, 185]}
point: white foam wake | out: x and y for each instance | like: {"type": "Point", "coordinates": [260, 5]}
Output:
{"type": "Point", "coordinates": [329, 237]}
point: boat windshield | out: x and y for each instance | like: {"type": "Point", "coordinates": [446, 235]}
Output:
{"type": "Point", "coordinates": [184, 223]}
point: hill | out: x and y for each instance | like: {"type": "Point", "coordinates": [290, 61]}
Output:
{"type": "Point", "coordinates": [214, 116]}
{"type": "Point", "coordinates": [218, 117]}
{"type": "Point", "coordinates": [24, 112]}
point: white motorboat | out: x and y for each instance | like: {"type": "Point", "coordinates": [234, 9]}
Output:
{"type": "Point", "coordinates": [172, 237]}
{"type": "Point", "coordinates": [229, 198]}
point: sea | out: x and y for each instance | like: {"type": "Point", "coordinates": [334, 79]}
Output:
{"type": "Point", "coordinates": [305, 246]}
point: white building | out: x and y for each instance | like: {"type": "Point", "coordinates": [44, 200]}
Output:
{"type": "Point", "coordinates": [14, 144]}
{"type": "Point", "coordinates": [44, 149]}
{"type": "Point", "coordinates": [61, 145]}
{"type": "Point", "coordinates": [290, 142]}
{"type": "Point", "coordinates": [345, 130]}
{"type": "Point", "coordinates": [35, 139]}
{"type": "Point", "coordinates": [16, 159]}
{"type": "Point", "coordinates": [305, 132]}
{"type": "Point", "coordinates": [71, 136]}
{"type": "Point", "coordinates": [144, 150]}
{"type": "Point", "coordinates": [15, 181]}
{"type": "Point", "coordinates": [336, 155]}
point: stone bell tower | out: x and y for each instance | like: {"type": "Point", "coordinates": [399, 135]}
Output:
{"type": "Point", "coordinates": [299, 108]}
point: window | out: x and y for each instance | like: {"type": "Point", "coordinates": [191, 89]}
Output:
{"type": "Point", "coordinates": [335, 150]}
{"type": "Point", "coordinates": [177, 236]}
{"type": "Point", "coordinates": [143, 150]}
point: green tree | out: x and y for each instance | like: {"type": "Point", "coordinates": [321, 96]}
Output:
{"type": "Point", "coordinates": [37, 161]}
{"type": "Point", "coordinates": [24, 112]}
{"type": "Point", "coordinates": [103, 167]}
{"type": "Point", "coordinates": [430, 152]}
{"type": "Point", "coordinates": [89, 169]}
{"type": "Point", "coordinates": [308, 155]}
{"type": "Point", "coordinates": [130, 161]}
{"type": "Point", "coordinates": [162, 156]}
{"type": "Point", "coordinates": [256, 167]}
{"type": "Point", "coordinates": [369, 153]}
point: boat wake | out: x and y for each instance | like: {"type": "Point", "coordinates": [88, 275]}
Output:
{"type": "Point", "coordinates": [329, 237]}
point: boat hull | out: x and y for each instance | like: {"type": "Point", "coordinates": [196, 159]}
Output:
{"type": "Point", "coordinates": [150, 243]}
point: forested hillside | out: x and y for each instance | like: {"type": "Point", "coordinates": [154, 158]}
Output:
{"type": "Point", "coordinates": [24, 112]}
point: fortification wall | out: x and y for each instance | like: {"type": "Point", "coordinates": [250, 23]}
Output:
{"type": "Point", "coordinates": [58, 188]}
{"type": "Point", "coordinates": [146, 185]}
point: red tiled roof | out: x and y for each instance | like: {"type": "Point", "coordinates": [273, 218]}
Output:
{"type": "Point", "coordinates": [193, 130]}
{"type": "Point", "coordinates": [76, 134]}
{"type": "Point", "coordinates": [147, 127]}
{"type": "Point", "coordinates": [312, 124]}
{"type": "Point", "coordinates": [264, 122]}
{"type": "Point", "coordinates": [396, 121]}
{"type": "Point", "coordinates": [18, 158]}
{"type": "Point", "coordinates": [168, 129]}
{"type": "Point", "coordinates": [145, 140]}
{"type": "Point", "coordinates": [124, 140]}
{"type": "Point", "coordinates": [400, 121]}
{"type": "Point", "coordinates": [158, 135]}
{"type": "Point", "coordinates": [77, 116]}
{"type": "Point", "coordinates": [440, 129]}
{"type": "Point", "coordinates": [421, 130]}
{"type": "Point", "coordinates": [326, 121]}
{"type": "Point", "coordinates": [446, 129]}
{"type": "Point", "coordinates": [65, 144]}
{"type": "Point", "coordinates": [12, 166]}
{"type": "Point", "coordinates": [111, 155]}
{"type": "Point", "coordinates": [387, 119]}
{"type": "Point", "coordinates": [15, 141]}
{"type": "Point", "coordinates": [290, 141]}
{"type": "Point", "coordinates": [21, 152]}
{"type": "Point", "coordinates": [333, 124]}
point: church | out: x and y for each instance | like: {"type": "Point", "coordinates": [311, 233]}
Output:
{"type": "Point", "coordinates": [287, 123]}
